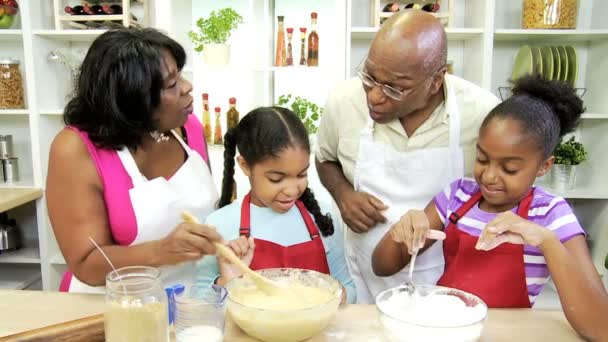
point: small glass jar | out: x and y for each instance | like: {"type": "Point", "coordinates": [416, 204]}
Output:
{"type": "Point", "coordinates": [549, 14]}
{"type": "Point", "coordinates": [199, 313]}
{"type": "Point", "coordinates": [136, 306]}
{"type": "Point", "coordinates": [11, 84]}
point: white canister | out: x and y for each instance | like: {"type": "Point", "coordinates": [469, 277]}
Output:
{"type": "Point", "coordinates": [6, 146]}
{"type": "Point", "coordinates": [11, 170]}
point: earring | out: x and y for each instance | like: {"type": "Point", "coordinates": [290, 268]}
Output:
{"type": "Point", "coordinates": [159, 136]}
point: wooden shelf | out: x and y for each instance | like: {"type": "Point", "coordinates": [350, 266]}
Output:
{"type": "Point", "coordinates": [453, 34]}
{"type": "Point", "coordinates": [70, 35]}
{"type": "Point", "coordinates": [13, 197]}
{"type": "Point", "coordinates": [14, 112]}
{"type": "Point", "coordinates": [544, 36]}
{"type": "Point", "coordinates": [25, 182]}
{"type": "Point", "coordinates": [594, 116]}
{"type": "Point", "coordinates": [51, 112]}
{"type": "Point", "coordinates": [11, 35]}
{"type": "Point", "coordinates": [18, 278]}
{"type": "Point", "coordinates": [25, 255]}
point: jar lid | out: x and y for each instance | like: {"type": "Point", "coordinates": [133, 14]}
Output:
{"type": "Point", "coordinates": [8, 60]}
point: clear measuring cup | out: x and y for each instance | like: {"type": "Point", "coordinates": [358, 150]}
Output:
{"type": "Point", "coordinates": [136, 306]}
{"type": "Point", "coordinates": [199, 313]}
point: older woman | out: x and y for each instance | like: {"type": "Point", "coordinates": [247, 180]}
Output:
{"type": "Point", "coordinates": [130, 160]}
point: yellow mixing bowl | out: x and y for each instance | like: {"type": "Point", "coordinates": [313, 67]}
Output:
{"type": "Point", "coordinates": [286, 324]}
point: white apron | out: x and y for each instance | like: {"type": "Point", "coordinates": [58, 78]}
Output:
{"type": "Point", "coordinates": [403, 181]}
{"type": "Point", "coordinates": [158, 203]}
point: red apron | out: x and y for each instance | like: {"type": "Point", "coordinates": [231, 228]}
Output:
{"type": "Point", "coordinates": [308, 255]}
{"type": "Point", "coordinates": [497, 276]}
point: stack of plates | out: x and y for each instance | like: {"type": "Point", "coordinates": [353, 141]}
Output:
{"type": "Point", "coordinates": [558, 63]}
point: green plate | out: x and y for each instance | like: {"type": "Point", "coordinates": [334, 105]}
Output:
{"type": "Point", "coordinates": [547, 56]}
{"type": "Point", "coordinates": [537, 61]}
{"type": "Point", "coordinates": [523, 63]}
{"type": "Point", "coordinates": [572, 65]}
{"type": "Point", "coordinates": [556, 63]}
{"type": "Point", "coordinates": [563, 60]}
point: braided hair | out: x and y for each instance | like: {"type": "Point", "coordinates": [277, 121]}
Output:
{"type": "Point", "coordinates": [261, 134]}
{"type": "Point", "coordinates": [547, 110]}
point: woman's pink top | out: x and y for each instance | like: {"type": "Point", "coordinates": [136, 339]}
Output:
{"type": "Point", "coordinates": [117, 183]}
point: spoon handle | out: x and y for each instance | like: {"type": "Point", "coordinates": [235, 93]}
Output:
{"type": "Point", "coordinates": [262, 282]}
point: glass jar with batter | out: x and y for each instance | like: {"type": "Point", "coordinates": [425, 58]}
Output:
{"type": "Point", "coordinates": [136, 306]}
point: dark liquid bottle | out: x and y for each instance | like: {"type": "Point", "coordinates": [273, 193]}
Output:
{"type": "Point", "coordinates": [313, 42]}
{"type": "Point", "coordinates": [94, 10]}
{"type": "Point", "coordinates": [76, 10]}
{"type": "Point", "coordinates": [113, 9]}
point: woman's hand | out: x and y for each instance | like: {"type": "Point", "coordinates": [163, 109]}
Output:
{"type": "Point", "coordinates": [512, 228]}
{"type": "Point", "coordinates": [188, 241]}
{"type": "Point", "coordinates": [243, 248]}
{"type": "Point", "coordinates": [413, 229]}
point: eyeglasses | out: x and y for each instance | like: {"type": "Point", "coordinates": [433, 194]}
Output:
{"type": "Point", "coordinates": [391, 92]}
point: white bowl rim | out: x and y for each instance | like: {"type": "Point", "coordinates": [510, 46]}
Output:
{"type": "Point", "coordinates": [437, 287]}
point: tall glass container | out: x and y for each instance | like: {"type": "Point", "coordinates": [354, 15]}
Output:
{"type": "Point", "coordinates": [207, 120]}
{"type": "Point", "coordinates": [281, 53]}
{"type": "Point", "coordinates": [313, 42]}
{"type": "Point", "coordinates": [136, 306]}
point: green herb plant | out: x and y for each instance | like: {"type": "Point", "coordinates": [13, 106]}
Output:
{"type": "Point", "coordinates": [570, 152]}
{"type": "Point", "coordinates": [308, 112]}
{"type": "Point", "coordinates": [215, 29]}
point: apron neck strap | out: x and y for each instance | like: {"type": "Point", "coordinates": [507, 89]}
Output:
{"type": "Point", "coordinates": [522, 209]}
{"type": "Point", "coordinates": [245, 227]}
{"type": "Point", "coordinates": [130, 166]}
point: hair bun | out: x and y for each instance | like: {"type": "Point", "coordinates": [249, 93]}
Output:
{"type": "Point", "coordinates": [559, 96]}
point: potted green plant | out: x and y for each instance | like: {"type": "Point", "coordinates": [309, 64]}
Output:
{"type": "Point", "coordinates": [567, 155]}
{"type": "Point", "coordinates": [309, 112]}
{"type": "Point", "coordinates": [212, 34]}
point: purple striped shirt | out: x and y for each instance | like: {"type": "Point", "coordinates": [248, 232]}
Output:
{"type": "Point", "coordinates": [547, 210]}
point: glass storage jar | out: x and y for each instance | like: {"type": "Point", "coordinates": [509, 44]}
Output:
{"type": "Point", "coordinates": [549, 14]}
{"type": "Point", "coordinates": [11, 84]}
{"type": "Point", "coordinates": [136, 306]}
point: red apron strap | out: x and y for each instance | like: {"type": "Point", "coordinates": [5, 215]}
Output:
{"type": "Point", "coordinates": [313, 231]}
{"type": "Point", "coordinates": [460, 212]}
{"type": "Point", "coordinates": [245, 216]}
{"type": "Point", "coordinates": [524, 205]}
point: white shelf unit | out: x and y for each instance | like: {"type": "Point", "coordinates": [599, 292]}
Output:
{"type": "Point", "coordinates": [482, 42]}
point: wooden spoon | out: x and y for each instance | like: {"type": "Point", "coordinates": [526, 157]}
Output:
{"type": "Point", "coordinates": [270, 287]}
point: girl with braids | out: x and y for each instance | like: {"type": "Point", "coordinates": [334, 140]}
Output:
{"type": "Point", "coordinates": [279, 223]}
{"type": "Point", "coordinates": [503, 236]}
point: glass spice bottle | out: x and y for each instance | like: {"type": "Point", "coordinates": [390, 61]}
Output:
{"type": "Point", "coordinates": [289, 47]}
{"type": "Point", "coordinates": [232, 116]}
{"type": "Point", "coordinates": [207, 119]}
{"type": "Point", "coordinates": [313, 42]}
{"type": "Point", "coordinates": [303, 46]}
{"type": "Point", "coordinates": [280, 55]}
{"type": "Point", "coordinates": [217, 137]}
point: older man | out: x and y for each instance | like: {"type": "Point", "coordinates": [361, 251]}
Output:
{"type": "Point", "coordinates": [394, 137]}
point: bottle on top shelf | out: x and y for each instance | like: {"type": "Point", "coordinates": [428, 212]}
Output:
{"type": "Point", "coordinates": [217, 136]}
{"type": "Point", "coordinates": [289, 47]}
{"type": "Point", "coordinates": [75, 10]}
{"type": "Point", "coordinates": [207, 120]}
{"type": "Point", "coordinates": [112, 9]}
{"type": "Point", "coordinates": [313, 42]}
{"type": "Point", "coordinates": [280, 55]}
{"type": "Point", "coordinates": [93, 10]}
{"type": "Point", "coordinates": [303, 46]}
{"type": "Point", "coordinates": [232, 116]}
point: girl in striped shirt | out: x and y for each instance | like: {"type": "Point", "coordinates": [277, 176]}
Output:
{"type": "Point", "coordinates": [504, 237]}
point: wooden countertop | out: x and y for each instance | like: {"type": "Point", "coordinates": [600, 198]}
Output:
{"type": "Point", "coordinates": [13, 197]}
{"type": "Point", "coordinates": [25, 310]}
